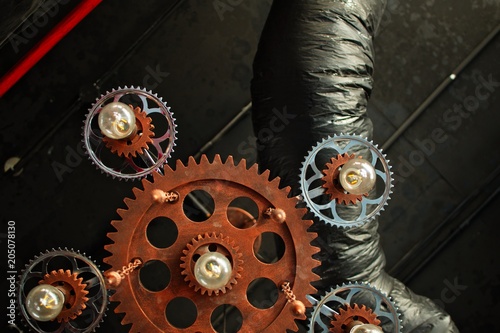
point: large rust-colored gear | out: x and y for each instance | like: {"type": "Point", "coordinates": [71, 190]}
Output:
{"type": "Point", "coordinates": [73, 290]}
{"type": "Point", "coordinates": [224, 182]}
{"type": "Point", "coordinates": [139, 140]}
{"type": "Point", "coordinates": [332, 184]}
{"type": "Point", "coordinates": [201, 245]}
{"type": "Point", "coordinates": [353, 315]}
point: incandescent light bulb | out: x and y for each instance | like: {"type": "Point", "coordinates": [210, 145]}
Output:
{"type": "Point", "coordinates": [117, 120]}
{"type": "Point", "coordinates": [44, 302]}
{"type": "Point", "coordinates": [212, 270]}
{"type": "Point", "coordinates": [366, 328]}
{"type": "Point", "coordinates": [357, 176]}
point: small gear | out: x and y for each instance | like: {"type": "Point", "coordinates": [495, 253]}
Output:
{"type": "Point", "coordinates": [352, 315]}
{"type": "Point", "coordinates": [211, 243]}
{"type": "Point", "coordinates": [313, 192]}
{"type": "Point", "coordinates": [86, 273]}
{"type": "Point", "coordinates": [354, 299]}
{"type": "Point", "coordinates": [143, 158]}
{"type": "Point", "coordinates": [73, 290]}
{"type": "Point", "coordinates": [139, 141]}
{"type": "Point", "coordinates": [224, 182]}
{"type": "Point", "coordinates": [332, 185]}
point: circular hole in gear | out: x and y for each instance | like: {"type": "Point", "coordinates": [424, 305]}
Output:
{"type": "Point", "coordinates": [154, 275]}
{"type": "Point", "coordinates": [181, 312]}
{"type": "Point", "coordinates": [59, 262]}
{"type": "Point", "coordinates": [242, 212]}
{"type": "Point", "coordinates": [262, 293]}
{"type": "Point", "coordinates": [226, 318]}
{"type": "Point", "coordinates": [84, 320]}
{"type": "Point", "coordinates": [162, 232]}
{"type": "Point", "coordinates": [198, 205]}
{"type": "Point", "coordinates": [29, 284]}
{"type": "Point", "coordinates": [49, 326]}
{"type": "Point", "coordinates": [271, 248]}
{"type": "Point", "coordinates": [160, 123]}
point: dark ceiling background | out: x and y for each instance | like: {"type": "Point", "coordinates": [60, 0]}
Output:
{"type": "Point", "coordinates": [441, 224]}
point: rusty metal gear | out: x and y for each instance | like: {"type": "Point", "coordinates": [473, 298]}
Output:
{"type": "Point", "coordinates": [147, 310]}
{"type": "Point", "coordinates": [347, 318]}
{"type": "Point", "coordinates": [73, 290]}
{"type": "Point", "coordinates": [332, 184]}
{"type": "Point", "coordinates": [211, 243]}
{"type": "Point", "coordinates": [139, 140]}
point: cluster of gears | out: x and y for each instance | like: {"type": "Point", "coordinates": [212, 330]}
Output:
{"type": "Point", "coordinates": [216, 260]}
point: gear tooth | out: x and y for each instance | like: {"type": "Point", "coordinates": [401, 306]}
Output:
{"type": "Point", "coordinates": [156, 178]}
{"type": "Point", "coordinates": [109, 248]}
{"type": "Point", "coordinates": [122, 212]}
{"type": "Point", "coordinates": [286, 189]}
{"type": "Point", "coordinates": [179, 165]}
{"type": "Point", "coordinates": [137, 192]}
{"type": "Point", "coordinates": [266, 173]}
{"type": "Point", "coordinates": [192, 161]}
{"type": "Point", "coordinates": [128, 202]}
{"type": "Point", "coordinates": [230, 160]}
{"type": "Point", "coordinates": [254, 168]}
{"type": "Point", "coordinates": [217, 159]}
{"type": "Point", "coordinates": [126, 320]}
{"type": "Point", "coordinates": [112, 235]}
{"type": "Point", "coordinates": [243, 163]}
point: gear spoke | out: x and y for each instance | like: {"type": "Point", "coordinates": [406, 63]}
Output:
{"type": "Point", "coordinates": [316, 192]}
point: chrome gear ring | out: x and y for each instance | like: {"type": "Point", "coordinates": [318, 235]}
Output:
{"type": "Point", "coordinates": [329, 305]}
{"type": "Point", "coordinates": [78, 264]}
{"type": "Point", "coordinates": [313, 192]}
{"type": "Point", "coordinates": [157, 152]}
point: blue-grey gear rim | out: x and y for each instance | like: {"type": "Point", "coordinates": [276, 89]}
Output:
{"type": "Point", "coordinates": [360, 293]}
{"type": "Point", "coordinates": [329, 211]}
{"type": "Point", "coordinates": [153, 158]}
{"type": "Point", "coordinates": [85, 267]}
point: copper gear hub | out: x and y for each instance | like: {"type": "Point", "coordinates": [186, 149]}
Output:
{"type": "Point", "coordinates": [139, 141]}
{"type": "Point", "coordinates": [201, 245]}
{"type": "Point", "coordinates": [73, 290]}
{"type": "Point", "coordinates": [347, 318]}
{"type": "Point", "coordinates": [332, 184]}
{"type": "Point", "coordinates": [224, 182]}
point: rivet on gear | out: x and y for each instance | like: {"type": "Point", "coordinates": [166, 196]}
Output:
{"type": "Point", "coordinates": [138, 141]}
{"type": "Point", "coordinates": [351, 316]}
{"type": "Point", "coordinates": [332, 184]}
{"type": "Point", "coordinates": [206, 244]}
{"type": "Point", "coordinates": [73, 290]}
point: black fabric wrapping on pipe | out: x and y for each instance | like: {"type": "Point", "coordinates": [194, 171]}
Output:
{"type": "Point", "coordinates": [312, 79]}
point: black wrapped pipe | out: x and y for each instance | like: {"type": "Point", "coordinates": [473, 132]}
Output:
{"type": "Point", "coordinates": [313, 78]}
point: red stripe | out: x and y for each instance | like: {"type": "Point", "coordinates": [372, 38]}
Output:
{"type": "Point", "coordinates": [46, 44]}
